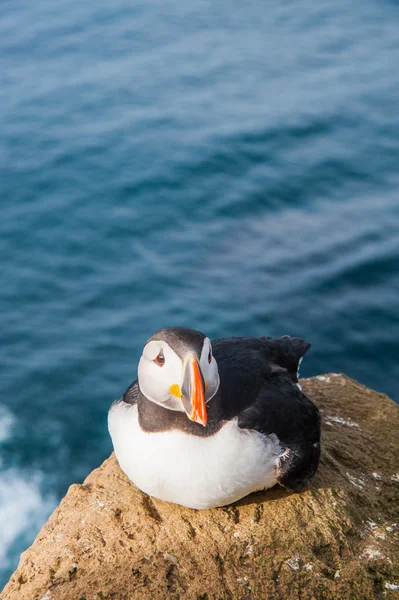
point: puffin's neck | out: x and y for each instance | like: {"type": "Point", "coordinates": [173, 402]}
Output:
{"type": "Point", "coordinates": [155, 418]}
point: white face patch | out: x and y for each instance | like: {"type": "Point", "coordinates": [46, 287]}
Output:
{"type": "Point", "coordinates": [209, 370]}
{"type": "Point", "coordinates": [155, 380]}
{"type": "Point", "coordinates": [161, 369]}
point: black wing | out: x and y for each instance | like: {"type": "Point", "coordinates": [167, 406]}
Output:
{"type": "Point", "coordinates": [132, 392]}
{"type": "Point", "coordinates": [130, 396]}
{"type": "Point", "coordinates": [257, 386]}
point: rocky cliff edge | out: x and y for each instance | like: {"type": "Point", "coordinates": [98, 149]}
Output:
{"type": "Point", "coordinates": [336, 540]}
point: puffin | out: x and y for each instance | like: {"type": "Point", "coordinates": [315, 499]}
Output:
{"type": "Point", "coordinates": [207, 423]}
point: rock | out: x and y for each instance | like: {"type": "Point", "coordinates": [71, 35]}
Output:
{"type": "Point", "coordinates": [336, 540]}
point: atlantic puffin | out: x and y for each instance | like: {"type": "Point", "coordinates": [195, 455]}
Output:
{"type": "Point", "coordinates": [206, 424]}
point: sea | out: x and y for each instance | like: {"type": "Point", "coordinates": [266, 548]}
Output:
{"type": "Point", "coordinates": [227, 166]}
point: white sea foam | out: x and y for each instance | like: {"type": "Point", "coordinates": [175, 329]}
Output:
{"type": "Point", "coordinates": [6, 423]}
{"type": "Point", "coordinates": [23, 509]}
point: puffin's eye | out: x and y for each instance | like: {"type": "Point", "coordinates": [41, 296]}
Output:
{"type": "Point", "coordinates": [160, 359]}
{"type": "Point", "coordinates": [210, 356]}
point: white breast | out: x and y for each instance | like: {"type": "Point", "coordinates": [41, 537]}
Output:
{"type": "Point", "coordinates": [197, 472]}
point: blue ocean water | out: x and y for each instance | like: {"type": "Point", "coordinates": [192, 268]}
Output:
{"type": "Point", "coordinates": [232, 167]}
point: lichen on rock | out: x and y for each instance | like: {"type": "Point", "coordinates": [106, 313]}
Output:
{"type": "Point", "coordinates": [336, 540]}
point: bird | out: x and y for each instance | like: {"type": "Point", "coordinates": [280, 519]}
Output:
{"type": "Point", "coordinates": [208, 423]}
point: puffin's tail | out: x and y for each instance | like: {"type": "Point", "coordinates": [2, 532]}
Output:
{"type": "Point", "coordinates": [299, 464]}
{"type": "Point", "coordinates": [287, 352]}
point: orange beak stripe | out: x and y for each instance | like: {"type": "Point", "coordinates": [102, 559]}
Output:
{"type": "Point", "coordinates": [198, 397]}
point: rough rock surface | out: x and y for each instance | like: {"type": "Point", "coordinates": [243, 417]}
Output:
{"type": "Point", "coordinates": [336, 540]}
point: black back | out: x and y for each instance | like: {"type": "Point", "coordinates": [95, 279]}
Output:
{"type": "Point", "coordinates": [249, 365]}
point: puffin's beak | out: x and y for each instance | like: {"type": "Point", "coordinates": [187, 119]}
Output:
{"type": "Point", "coordinates": [193, 391]}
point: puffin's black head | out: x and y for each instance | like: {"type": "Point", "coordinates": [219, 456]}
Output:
{"type": "Point", "coordinates": [178, 371]}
